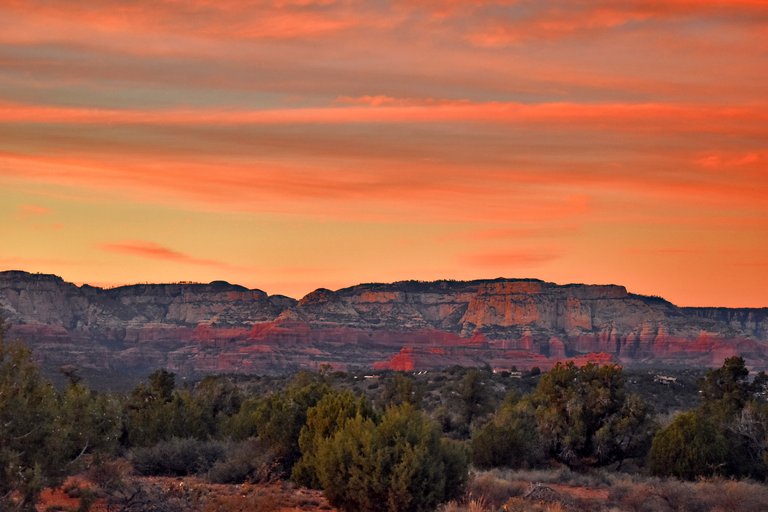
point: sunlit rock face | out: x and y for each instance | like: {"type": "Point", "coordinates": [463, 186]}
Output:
{"type": "Point", "coordinates": [220, 327]}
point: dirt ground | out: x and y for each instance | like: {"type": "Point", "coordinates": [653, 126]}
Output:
{"type": "Point", "coordinates": [201, 495]}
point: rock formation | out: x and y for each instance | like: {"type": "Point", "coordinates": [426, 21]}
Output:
{"type": "Point", "coordinates": [219, 327]}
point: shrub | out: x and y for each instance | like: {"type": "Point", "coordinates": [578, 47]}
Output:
{"type": "Point", "coordinates": [323, 421]}
{"type": "Point", "coordinates": [250, 460]}
{"type": "Point", "coordinates": [400, 464]}
{"type": "Point", "coordinates": [177, 457]}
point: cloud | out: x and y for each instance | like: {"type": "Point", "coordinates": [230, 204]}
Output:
{"type": "Point", "coordinates": [508, 258]}
{"type": "Point", "coordinates": [215, 20]}
{"type": "Point", "coordinates": [151, 250]}
{"type": "Point", "coordinates": [33, 210]}
{"type": "Point", "coordinates": [749, 119]}
{"type": "Point", "coordinates": [552, 20]}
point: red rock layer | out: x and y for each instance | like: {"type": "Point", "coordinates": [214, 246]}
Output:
{"type": "Point", "coordinates": [218, 327]}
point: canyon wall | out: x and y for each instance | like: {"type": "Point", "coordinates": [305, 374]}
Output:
{"type": "Point", "coordinates": [219, 327]}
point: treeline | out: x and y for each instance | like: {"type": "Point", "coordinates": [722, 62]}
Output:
{"type": "Point", "coordinates": [383, 453]}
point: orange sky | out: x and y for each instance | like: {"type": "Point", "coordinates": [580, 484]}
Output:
{"type": "Point", "coordinates": [293, 144]}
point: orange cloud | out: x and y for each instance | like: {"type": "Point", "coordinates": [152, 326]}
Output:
{"type": "Point", "coordinates": [219, 20]}
{"type": "Point", "coordinates": [152, 250]}
{"type": "Point", "coordinates": [508, 259]}
{"type": "Point", "coordinates": [33, 210]}
{"type": "Point", "coordinates": [558, 19]}
{"type": "Point", "coordinates": [752, 119]}
{"type": "Point", "coordinates": [571, 129]}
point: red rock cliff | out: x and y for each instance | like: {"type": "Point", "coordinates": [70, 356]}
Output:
{"type": "Point", "coordinates": [196, 328]}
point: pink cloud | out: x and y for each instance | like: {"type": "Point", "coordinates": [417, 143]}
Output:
{"type": "Point", "coordinates": [152, 250]}
{"type": "Point", "coordinates": [751, 119]}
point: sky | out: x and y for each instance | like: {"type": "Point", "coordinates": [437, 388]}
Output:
{"type": "Point", "coordinates": [288, 145]}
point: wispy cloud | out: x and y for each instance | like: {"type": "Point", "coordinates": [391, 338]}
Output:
{"type": "Point", "coordinates": [33, 210]}
{"type": "Point", "coordinates": [529, 133]}
{"type": "Point", "coordinates": [151, 250]}
{"type": "Point", "coordinates": [606, 116]}
{"type": "Point", "coordinates": [510, 259]}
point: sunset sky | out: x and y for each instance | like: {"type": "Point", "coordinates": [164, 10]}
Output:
{"type": "Point", "coordinates": [291, 144]}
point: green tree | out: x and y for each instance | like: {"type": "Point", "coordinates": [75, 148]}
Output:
{"type": "Point", "coordinates": [510, 438]}
{"type": "Point", "coordinates": [156, 411]}
{"type": "Point", "coordinates": [216, 398]}
{"type": "Point", "coordinates": [584, 417]}
{"type": "Point", "coordinates": [400, 389]}
{"type": "Point", "coordinates": [472, 399]}
{"type": "Point", "coordinates": [30, 457]}
{"type": "Point", "coordinates": [726, 390]}
{"type": "Point", "coordinates": [726, 435]}
{"type": "Point", "coordinates": [691, 446]}
{"type": "Point", "coordinates": [281, 416]}
{"type": "Point", "coordinates": [90, 422]}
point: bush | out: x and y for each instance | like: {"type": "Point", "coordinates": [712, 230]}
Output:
{"type": "Point", "coordinates": [399, 465]}
{"type": "Point", "coordinates": [688, 448]}
{"type": "Point", "coordinates": [177, 457]}
{"type": "Point", "coordinates": [248, 461]}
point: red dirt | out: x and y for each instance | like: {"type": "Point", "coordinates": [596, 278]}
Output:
{"type": "Point", "coordinates": [275, 497]}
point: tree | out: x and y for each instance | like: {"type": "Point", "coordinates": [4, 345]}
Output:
{"type": "Point", "coordinates": [473, 399]}
{"type": "Point", "coordinates": [691, 446]}
{"type": "Point", "coordinates": [323, 421]}
{"type": "Point", "coordinates": [399, 464]}
{"type": "Point", "coordinates": [90, 422]}
{"type": "Point", "coordinates": [727, 435]}
{"type": "Point", "coordinates": [29, 438]}
{"type": "Point", "coordinates": [510, 439]}
{"type": "Point", "coordinates": [217, 399]}
{"type": "Point", "coordinates": [726, 389]}
{"type": "Point", "coordinates": [280, 417]}
{"type": "Point", "coordinates": [584, 416]}
{"type": "Point", "coordinates": [157, 411]}
{"type": "Point", "coordinates": [401, 389]}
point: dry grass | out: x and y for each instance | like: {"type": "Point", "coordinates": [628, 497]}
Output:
{"type": "Point", "coordinates": [493, 488]}
{"type": "Point", "coordinates": [562, 490]}
{"type": "Point", "coordinates": [488, 491]}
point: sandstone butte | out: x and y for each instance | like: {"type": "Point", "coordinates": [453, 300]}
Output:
{"type": "Point", "coordinates": [194, 329]}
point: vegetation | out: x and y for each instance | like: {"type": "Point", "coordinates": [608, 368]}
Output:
{"type": "Point", "coordinates": [45, 434]}
{"type": "Point", "coordinates": [392, 442]}
{"type": "Point", "coordinates": [726, 435]}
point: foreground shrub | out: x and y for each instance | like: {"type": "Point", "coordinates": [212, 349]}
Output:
{"type": "Point", "coordinates": [177, 457]}
{"type": "Point", "coordinates": [398, 465]}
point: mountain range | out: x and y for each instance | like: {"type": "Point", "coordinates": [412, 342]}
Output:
{"type": "Point", "coordinates": [195, 329]}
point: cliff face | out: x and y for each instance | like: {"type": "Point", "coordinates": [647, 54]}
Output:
{"type": "Point", "coordinates": [197, 328]}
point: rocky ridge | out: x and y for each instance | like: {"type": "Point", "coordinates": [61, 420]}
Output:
{"type": "Point", "coordinates": [220, 327]}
